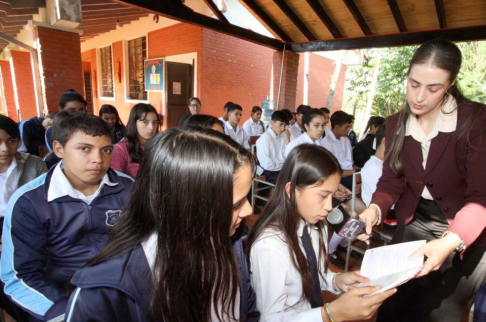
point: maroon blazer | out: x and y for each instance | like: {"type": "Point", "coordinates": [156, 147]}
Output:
{"type": "Point", "coordinates": [455, 175]}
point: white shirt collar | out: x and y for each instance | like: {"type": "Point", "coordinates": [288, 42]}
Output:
{"type": "Point", "coordinates": [332, 136]}
{"type": "Point", "coordinates": [12, 167]}
{"type": "Point", "coordinates": [306, 138]}
{"type": "Point", "coordinates": [303, 224]}
{"type": "Point", "coordinates": [230, 127]}
{"type": "Point", "coordinates": [63, 187]}
{"type": "Point", "coordinates": [149, 247]}
{"type": "Point", "coordinates": [446, 122]}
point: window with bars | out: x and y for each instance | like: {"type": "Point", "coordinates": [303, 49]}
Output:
{"type": "Point", "coordinates": [137, 52]}
{"type": "Point", "coordinates": [106, 64]}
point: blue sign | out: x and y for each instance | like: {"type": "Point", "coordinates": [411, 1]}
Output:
{"type": "Point", "coordinates": [154, 74]}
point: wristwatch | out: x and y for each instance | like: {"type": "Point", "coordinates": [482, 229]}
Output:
{"type": "Point", "coordinates": [459, 248]}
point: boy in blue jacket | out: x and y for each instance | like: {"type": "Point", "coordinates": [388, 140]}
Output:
{"type": "Point", "coordinates": [57, 222]}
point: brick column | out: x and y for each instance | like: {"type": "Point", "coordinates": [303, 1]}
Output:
{"type": "Point", "coordinates": [8, 90]}
{"type": "Point", "coordinates": [23, 83]}
{"type": "Point", "coordinates": [59, 63]}
{"type": "Point", "coordinates": [288, 87]}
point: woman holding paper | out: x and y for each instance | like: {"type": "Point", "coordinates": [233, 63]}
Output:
{"type": "Point", "coordinates": [287, 248]}
{"type": "Point", "coordinates": [436, 147]}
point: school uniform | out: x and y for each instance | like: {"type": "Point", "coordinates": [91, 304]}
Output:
{"type": "Point", "coordinates": [364, 150]}
{"type": "Point", "coordinates": [341, 149]}
{"type": "Point", "coordinates": [121, 160]}
{"type": "Point", "coordinates": [303, 139]}
{"type": "Point", "coordinates": [370, 174]}
{"type": "Point", "coordinates": [119, 289]}
{"type": "Point", "coordinates": [253, 129]}
{"type": "Point", "coordinates": [270, 153]}
{"type": "Point", "coordinates": [442, 188]}
{"type": "Point", "coordinates": [32, 133]}
{"type": "Point", "coordinates": [50, 231]}
{"type": "Point", "coordinates": [295, 131]}
{"type": "Point", "coordinates": [239, 135]}
{"type": "Point", "coordinates": [276, 281]}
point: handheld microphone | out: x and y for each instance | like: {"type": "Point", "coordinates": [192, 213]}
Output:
{"type": "Point", "coordinates": [346, 225]}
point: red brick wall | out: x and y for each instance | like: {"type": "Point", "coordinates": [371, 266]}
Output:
{"type": "Point", "coordinates": [8, 90]}
{"type": "Point", "coordinates": [60, 61]}
{"type": "Point", "coordinates": [233, 70]}
{"type": "Point", "coordinates": [24, 83]}
{"type": "Point", "coordinates": [321, 70]}
{"type": "Point", "coordinates": [288, 74]}
{"type": "Point", "coordinates": [178, 39]}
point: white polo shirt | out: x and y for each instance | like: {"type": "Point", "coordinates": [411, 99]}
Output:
{"type": "Point", "coordinates": [341, 149]}
{"type": "Point", "coordinates": [295, 131]}
{"type": "Point", "coordinates": [239, 135]}
{"type": "Point", "coordinates": [303, 139]}
{"type": "Point", "coordinates": [270, 150]}
{"type": "Point", "coordinates": [60, 186]}
{"type": "Point", "coordinates": [253, 129]}
{"type": "Point", "coordinates": [370, 174]}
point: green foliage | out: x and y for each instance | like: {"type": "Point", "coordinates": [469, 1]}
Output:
{"type": "Point", "coordinates": [391, 85]}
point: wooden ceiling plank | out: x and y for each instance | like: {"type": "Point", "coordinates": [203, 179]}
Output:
{"type": "Point", "coordinates": [126, 14]}
{"type": "Point", "coordinates": [95, 2]}
{"type": "Point", "coordinates": [19, 4]}
{"type": "Point", "coordinates": [393, 40]}
{"type": "Point", "coordinates": [295, 19]}
{"type": "Point", "coordinates": [113, 6]}
{"type": "Point", "coordinates": [267, 20]}
{"type": "Point", "coordinates": [439, 6]}
{"type": "Point", "coordinates": [397, 15]}
{"type": "Point", "coordinates": [17, 12]}
{"type": "Point", "coordinates": [326, 20]}
{"type": "Point", "coordinates": [214, 8]}
{"type": "Point", "coordinates": [174, 9]}
{"type": "Point", "coordinates": [353, 8]}
{"type": "Point", "coordinates": [5, 17]}
{"type": "Point", "coordinates": [13, 23]}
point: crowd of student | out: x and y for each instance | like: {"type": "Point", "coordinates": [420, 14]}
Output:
{"type": "Point", "coordinates": [123, 223]}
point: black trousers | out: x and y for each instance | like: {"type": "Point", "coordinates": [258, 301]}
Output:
{"type": "Point", "coordinates": [443, 295]}
{"type": "Point", "coordinates": [271, 176]}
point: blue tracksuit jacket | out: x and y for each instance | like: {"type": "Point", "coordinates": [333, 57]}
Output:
{"type": "Point", "coordinates": [44, 243]}
{"type": "Point", "coordinates": [119, 290]}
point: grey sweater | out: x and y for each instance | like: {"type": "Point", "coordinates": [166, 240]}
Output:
{"type": "Point", "coordinates": [29, 167]}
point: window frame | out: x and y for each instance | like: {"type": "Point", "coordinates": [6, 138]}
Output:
{"type": "Point", "coordinates": [126, 66]}
{"type": "Point", "coordinates": [100, 74]}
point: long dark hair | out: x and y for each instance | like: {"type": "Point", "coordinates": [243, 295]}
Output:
{"type": "Point", "coordinates": [110, 109]}
{"type": "Point", "coordinates": [178, 196]}
{"type": "Point", "coordinates": [442, 54]}
{"type": "Point", "coordinates": [306, 165]}
{"type": "Point", "coordinates": [138, 112]}
{"type": "Point", "coordinates": [202, 120]}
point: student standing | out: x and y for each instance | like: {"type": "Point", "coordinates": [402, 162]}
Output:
{"type": "Point", "coordinates": [177, 257]}
{"type": "Point", "coordinates": [313, 127]}
{"type": "Point", "coordinates": [194, 106]}
{"type": "Point", "coordinates": [271, 147]}
{"type": "Point", "coordinates": [287, 247]}
{"type": "Point", "coordinates": [232, 128]}
{"type": "Point", "coordinates": [253, 126]}
{"type": "Point", "coordinates": [58, 221]}
{"type": "Point", "coordinates": [434, 171]}
{"type": "Point", "coordinates": [109, 114]}
{"type": "Point", "coordinates": [143, 124]}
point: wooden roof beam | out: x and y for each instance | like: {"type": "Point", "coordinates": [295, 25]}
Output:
{"type": "Point", "coordinates": [126, 14]}
{"type": "Point", "coordinates": [326, 20]}
{"type": "Point", "coordinates": [439, 6]}
{"type": "Point", "coordinates": [214, 8]}
{"type": "Point", "coordinates": [5, 17]}
{"type": "Point", "coordinates": [174, 9]}
{"type": "Point", "coordinates": [393, 40]}
{"type": "Point", "coordinates": [353, 8]}
{"type": "Point", "coordinates": [397, 15]}
{"type": "Point", "coordinates": [266, 19]}
{"type": "Point", "coordinates": [295, 19]}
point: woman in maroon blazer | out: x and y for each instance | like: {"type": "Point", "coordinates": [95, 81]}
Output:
{"type": "Point", "coordinates": [436, 148]}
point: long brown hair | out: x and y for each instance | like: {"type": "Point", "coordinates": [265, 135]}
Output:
{"type": "Point", "coordinates": [307, 165]}
{"type": "Point", "coordinates": [178, 195]}
{"type": "Point", "coordinates": [442, 54]}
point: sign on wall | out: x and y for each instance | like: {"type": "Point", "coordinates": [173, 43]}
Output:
{"type": "Point", "coordinates": [154, 74]}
